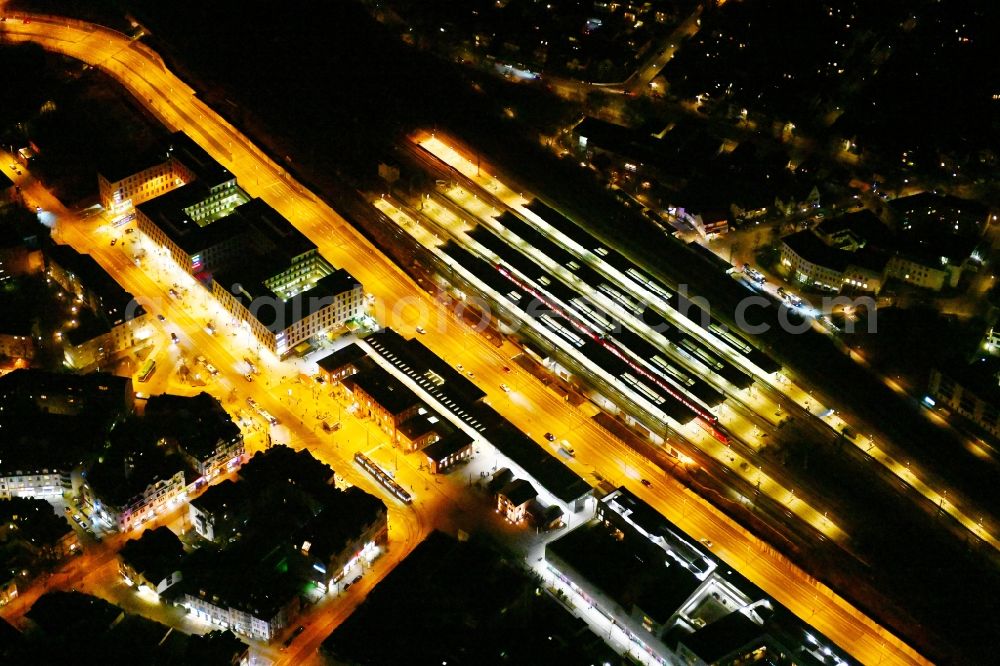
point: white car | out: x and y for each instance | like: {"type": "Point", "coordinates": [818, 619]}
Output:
{"type": "Point", "coordinates": [505, 388]}
{"type": "Point", "coordinates": [420, 330]}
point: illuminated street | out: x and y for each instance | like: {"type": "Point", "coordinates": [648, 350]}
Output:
{"type": "Point", "coordinates": [400, 304]}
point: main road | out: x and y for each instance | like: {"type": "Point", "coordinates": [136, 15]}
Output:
{"type": "Point", "coordinates": [532, 406]}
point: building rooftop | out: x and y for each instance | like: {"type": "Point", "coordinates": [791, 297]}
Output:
{"type": "Point", "coordinates": [57, 612]}
{"type": "Point", "coordinates": [810, 247]}
{"type": "Point", "coordinates": [116, 165]}
{"type": "Point", "coordinates": [419, 425]}
{"type": "Point", "coordinates": [227, 496]}
{"type": "Point", "coordinates": [275, 308]}
{"type": "Point", "coordinates": [384, 389]}
{"type": "Point", "coordinates": [932, 213]}
{"type": "Point", "coordinates": [197, 423]}
{"type": "Point", "coordinates": [453, 392]}
{"type": "Point", "coordinates": [631, 575]}
{"type": "Point", "coordinates": [344, 356]}
{"type": "Point", "coordinates": [346, 514]}
{"type": "Point", "coordinates": [479, 609]}
{"type": "Point", "coordinates": [52, 420]}
{"type": "Point", "coordinates": [114, 304]}
{"type": "Point", "coordinates": [283, 465]}
{"type": "Point", "coordinates": [518, 492]}
{"type": "Point", "coordinates": [194, 157]}
{"type": "Point", "coordinates": [32, 520]}
{"type": "Point", "coordinates": [156, 554]}
{"type": "Point", "coordinates": [223, 577]}
{"type": "Point", "coordinates": [718, 639]}
{"type": "Point", "coordinates": [447, 445]}
{"type": "Point", "coordinates": [130, 466]}
{"type": "Point", "coordinates": [423, 361]}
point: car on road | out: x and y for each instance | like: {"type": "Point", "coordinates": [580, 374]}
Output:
{"type": "Point", "coordinates": [549, 436]}
{"type": "Point", "coordinates": [210, 328]}
{"type": "Point", "coordinates": [295, 634]}
{"type": "Point", "coordinates": [505, 388]}
{"type": "Point", "coordinates": [460, 367]}
{"type": "Point", "coordinates": [174, 339]}
{"type": "Point", "coordinates": [113, 241]}
{"type": "Point", "coordinates": [173, 293]}
{"type": "Point", "coordinates": [212, 370]}
{"type": "Point", "coordinates": [356, 578]}
{"type": "Point", "coordinates": [161, 317]}
{"type": "Point", "coordinates": [470, 373]}
{"type": "Point", "coordinates": [248, 377]}
{"type": "Point", "coordinates": [506, 369]}
{"type": "Point", "coordinates": [420, 330]}
{"type": "Point", "coordinates": [130, 230]}
{"type": "Point", "coordinates": [347, 585]}
{"type": "Point", "coordinates": [707, 543]}
{"type": "Point", "coordinates": [567, 448]}
{"type": "Point", "coordinates": [645, 482]}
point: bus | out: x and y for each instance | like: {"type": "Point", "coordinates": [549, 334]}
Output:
{"type": "Point", "coordinates": [147, 370]}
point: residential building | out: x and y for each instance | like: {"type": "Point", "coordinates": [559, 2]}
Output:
{"type": "Point", "coordinates": [238, 589]}
{"type": "Point", "coordinates": [49, 423]}
{"type": "Point", "coordinates": [152, 561]}
{"type": "Point", "coordinates": [201, 429]}
{"type": "Point", "coordinates": [931, 214]}
{"type": "Point", "coordinates": [221, 512]}
{"type": "Point", "coordinates": [134, 482]}
{"type": "Point", "coordinates": [352, 524]}
{"type": "Point", "coordinates": [31, 534]}
{"type": "Point", "coordinates": [931, 243]}
{"type": "Point", "coordinates": [108, 320]}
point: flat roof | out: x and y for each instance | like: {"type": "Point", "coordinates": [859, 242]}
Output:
{"type": "Point", "coordinates": [627, 574]}
{"type": "Point", "coordinates": [194, 157]}
{"type": "Point", "coordinates": [276, 313]}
